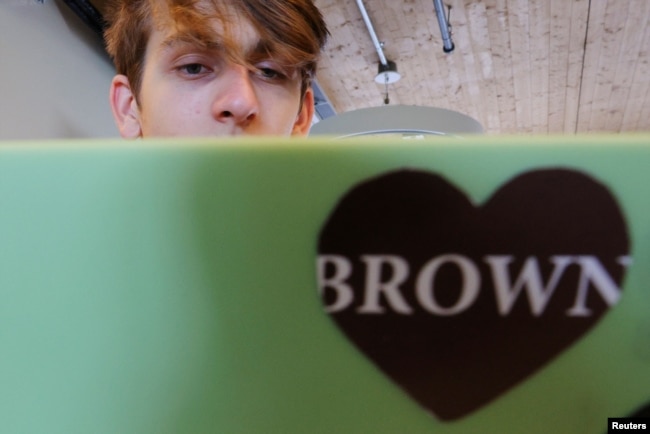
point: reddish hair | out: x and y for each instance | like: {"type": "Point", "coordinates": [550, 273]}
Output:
{"type": "Point", "coordinates": [294, 30]}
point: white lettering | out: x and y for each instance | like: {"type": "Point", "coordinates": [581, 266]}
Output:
{"type": "Point", "coordinates": [390, 288]}
{"type": "Point", "coordinates": [634, 426]}
{"type": "Point", "coordinates": [625, 261]}
{"type": "Point", "coordinates": [386, 274]}
{"type": "Point", "coordinates": [344, 294]}
{"type": "Point", "coordinates": [469, 290]}
{"type": "Point", "coordinates": [530, 278]}
{"type": "Point", "coordinates": [592, 271]}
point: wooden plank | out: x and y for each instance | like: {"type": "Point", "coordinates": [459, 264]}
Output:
{"type": "Point", "coordinates": [644, 118]}
{"type": "Point", "coordinates": [519, 43]}
{"type": "Point", "coordinates": [426, 75]}
{"type": "Point", "coordinates": [482, 77]}
{"type": "Point", "coordinates": [591, 66]}
{"type": "Point", "coordinates": [602, 71]}
{"type": "Point", "coordinates": [421, 83]}
{"type": "Point", "coordinates": [636, 115]}
{"type": "Point", "coordinates": [577, 38]}
{"type": "Point", "coordinates": [539, 37]}
{"type": "Point", "coordinates": [612, 39]}
{"type": "Point", "coordinates": [457, 63]}
{"type": "Point", "coordinates": [559, 49]}
{"type": "Point", "coordinates": [628, 83]}
{"type": "Point", "coordinates": [470, 53]}
{"type": "Point", "coordinates": [497, 16]}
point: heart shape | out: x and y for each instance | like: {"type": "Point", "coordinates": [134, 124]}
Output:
{"type": "Point", "coordinates": [458, 303]}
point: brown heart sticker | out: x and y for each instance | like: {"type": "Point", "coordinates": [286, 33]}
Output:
{"type": "Point", "coordinates": [458, 303]}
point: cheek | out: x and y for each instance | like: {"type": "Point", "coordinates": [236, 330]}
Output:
{"type": "Point", "coordinates": [172, 114]}
{"type": "Point", "coordinates": [281, 120]}
{"type": "Point", "coordinates": [283, 106]}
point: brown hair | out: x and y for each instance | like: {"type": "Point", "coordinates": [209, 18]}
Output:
{"type": "Point", "coordinates": [293, 29]}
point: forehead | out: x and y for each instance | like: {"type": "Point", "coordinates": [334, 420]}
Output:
{"type": "Point", "coordinates": [204, 23]}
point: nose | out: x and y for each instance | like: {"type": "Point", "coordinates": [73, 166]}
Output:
{"type": "Point", "coordinates": [237, 103]}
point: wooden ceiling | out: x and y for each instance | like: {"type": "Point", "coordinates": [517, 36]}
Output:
{"type": "Point", "coordinates": [519, 66]}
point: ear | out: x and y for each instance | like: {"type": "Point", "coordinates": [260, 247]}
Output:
{"type": "Point", "coordinates": [303, 121]}
{"type": "Point", "coordinates": [125, 108]}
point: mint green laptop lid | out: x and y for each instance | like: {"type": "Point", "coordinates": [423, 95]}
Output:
{"type": "Point", "coordinates": [487, 284]}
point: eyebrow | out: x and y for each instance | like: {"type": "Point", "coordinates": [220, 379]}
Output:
{"type": "Point", "coordinates": [190, 38]}
{"type": "Point", "coordinates": [261, 49]}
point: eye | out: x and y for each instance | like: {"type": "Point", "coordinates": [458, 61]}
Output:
{"type": "Point", "coordinates": [269, 70]}
{"type": "Point", "coordinates": [192, 69]}
{"type": "Point", "coordinates": [269, 73]}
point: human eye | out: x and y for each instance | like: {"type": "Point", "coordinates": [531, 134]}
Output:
{"type": "Point", "coordinates": [271, 72]}
{"type": "Point", "coordinates": [193, 69]}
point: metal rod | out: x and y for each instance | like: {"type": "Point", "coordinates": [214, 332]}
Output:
{"type": "Point", "coordinates": [447, 43]}
{"type": "Point", "coordinates": [371, 30]}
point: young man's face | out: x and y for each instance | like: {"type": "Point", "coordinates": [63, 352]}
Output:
{"type": "Point", "coordinates": [189, 90]}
